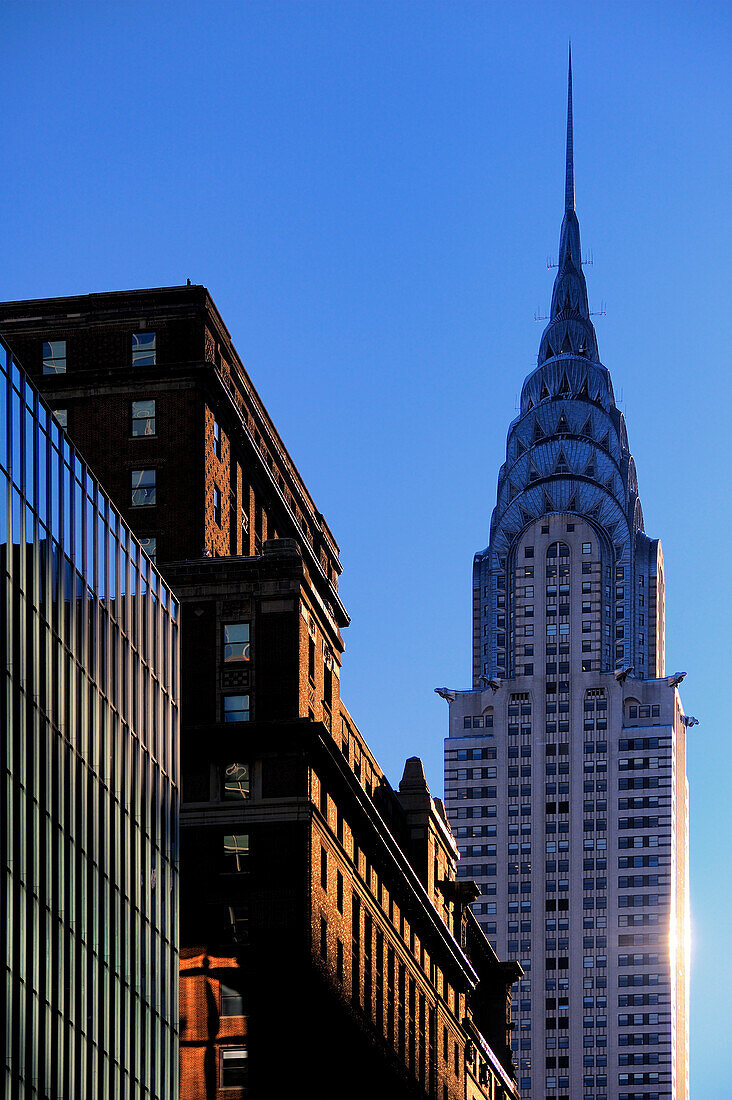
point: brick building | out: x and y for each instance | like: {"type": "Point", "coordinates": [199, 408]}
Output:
{"type": "Point", "coordinates": [324, 934]}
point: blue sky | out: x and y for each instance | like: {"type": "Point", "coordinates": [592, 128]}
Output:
{"type": "Point", "coordinates": [371, 191]}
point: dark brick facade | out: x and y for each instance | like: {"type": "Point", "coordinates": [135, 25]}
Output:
{"type": "Point", "coordinates": [325, 940]}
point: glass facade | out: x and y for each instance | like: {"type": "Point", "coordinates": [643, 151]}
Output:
{"type": "Point", "coordinates": [90, 771]}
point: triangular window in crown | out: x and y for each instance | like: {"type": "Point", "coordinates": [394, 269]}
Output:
{"type": "Point", "coordinates": [572, 506]}
{"type": "Point", "coordinates": [595, 511]}
{"type": "Point", "coordinates": [548, 502]}
{"type": "Point", "coordinates": [605, 441]}
{"type": "Point", "coordinates": [534, 474]}
{"type": "Point", "coordinates": [587, 429]}
{"type": "Point", "coordinates": [584, 391]}
{"type": "Point", "coordinates": [538, 431]}
{"type": "Point", "coordinates": [611, 529]}
{"type": "Point", "coordinates": [565, 387]}
{"type": "Point", "coordinates": [566, 345]}
{"type": "Point", "coordinates": [609, 483]}
{"type": "Point", "coordinates": [562, 466]}
{"type": "Point", "coordinates": [530, 404]}
{"type": "Point", "coordinates": [526, 517]}
{"type": "Point", "coordinates": [520, 446]}
{"type": "Point", "coordinates": [589, 470]}
{"type": "Point", "coordinates": [544, 392]}
{"type": "Point", "coordinates": [548, 353]}
{"type": "Point", "coordinates": [563, 427]}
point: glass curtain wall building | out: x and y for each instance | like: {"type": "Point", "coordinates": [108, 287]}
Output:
{"type": "Point", "coordinates": [89, 748]}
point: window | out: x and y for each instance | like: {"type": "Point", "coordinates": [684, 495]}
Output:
{"type": "Point", "coordinates": [232, 1002]}
{"type": "Point", "coordinates": [236, 642]}
{"type": "Point", "coordinates": [54, 357]}
{"type": "Point", "coordinates": [239, 921]}
{"type": "Point", "coordinates": [236, 781]}
{"type": "Point", "coordinates": [143, 349]}
{"type": "Point", "coordinates": [586, 547]}
{"type": "Point", "coordinates": [149, 545]}
{"type": "Point", "coordinates": [61, 417]}
{"type": "Point", "coordinates": [217, 439]}
{"type": "Point", "coordinates": [236, 708]}
{"type": "Point", "coordinates": [143, 487]}
{"type": "Point", "coordinates": [236, 852]}
{"type": "Point", "coordinates": [217, 507]}
{"type": "Point", "coordinates": [143, 417]}
{"type": "Point", "coordinates": [233, 1068]}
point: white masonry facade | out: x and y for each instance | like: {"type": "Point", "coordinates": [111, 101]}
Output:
{"type": "Point", "coordinates": [565, 764]}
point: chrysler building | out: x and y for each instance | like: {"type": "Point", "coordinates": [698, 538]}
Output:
{"type": "Point", "coordinates": [565, 769]}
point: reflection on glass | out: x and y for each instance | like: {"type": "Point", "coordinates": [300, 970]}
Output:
{"type": "Point", "coordinates": [90, 633]}
{"type": "Point", "coordinates": [236, 781]}
{"type": "Point", "coordinates": [143, 417]}
{"type": "Point", "coordinates": [149, 545]}
{"type": "Point", "coordinates": [143, 487]}
{"type": "Point", "coordinates": [143, 349]}
{"type": "Point", "coordinates": [236, 642]}
{"type": "Point", "coordinates": [54, 357]}
{"type": "Point", "coordinates": [236, 708]}
{"type": "Point", "coordinates": [236, 851]}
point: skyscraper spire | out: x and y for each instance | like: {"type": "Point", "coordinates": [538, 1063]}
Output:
{"type": "Point", "coordinates": [570, 327]}
{"type": "Point", "coordinates": [569, 179]}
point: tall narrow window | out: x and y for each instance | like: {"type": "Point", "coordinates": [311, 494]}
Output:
{"type": "Point", "coordinates": [217, 439]}
{"type": "Point", "coordinates": [143, 417]}
{"type": "Point", "coordinates": [217, 507]}
{"type": "Point", "coordinates": [239, 921]}
{"type": "Point", "coordinates": [143, 487]}
{"type": "Point", "coordinates": [54, 357]}
{"type": "Point", "coordinates": [236, 642]}
{"type": "Point", "coordinates": [143, 349]}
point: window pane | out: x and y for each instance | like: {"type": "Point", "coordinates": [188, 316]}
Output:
{"type": "Point", "coordinates": [149, 546]}
{"type": "Point", "coordinates": [236, 850]}
{"type": "Point", "coordinates": [62, 417]}
{"type": "Point", "coordinates": [143, 487]}
{"type": "Point", "coordinates": [236, 708]}
{"type": "Point", "coordinates": [143, 417]}
{"type": "Point", "coordinates": [234, 1063]}
{"type": "Point", "coordinates": [143, 349]}
{"type": "Point", "coordinates": [232, 1001]}
{"type": "Point", "coordinates": [236, 781]}
{"type": "Point", "coordinates": [54, 357]}
{"type": "Point", "coordinates": [236, 642]}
